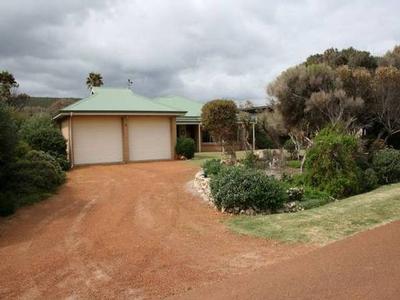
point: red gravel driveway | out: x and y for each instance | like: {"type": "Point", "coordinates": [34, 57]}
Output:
{"type": "Point", "coordinates": [125, 231]}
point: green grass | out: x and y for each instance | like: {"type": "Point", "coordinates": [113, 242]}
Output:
{"type": "Point", "coordinates": [201, 157]}
{"type": "Point", "coordinates": [295, 164]}
{"type": "Point", "coordinates": [328, 223]}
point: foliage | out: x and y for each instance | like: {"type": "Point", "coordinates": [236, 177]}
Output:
{"type": "Point", "coordinates": [271, 126]}
{"type": "Point", "coordinates": [94, 79]}
{"type": "Point", "coordinates": [8, 142]}
{"type": "Point", "coordinates": [370, 179]}
{"type": "Point", "coordinates": [246, 124]}
{"type": "Point", "coordinates": [386, 164]}
{"type": "Point", "coordinates": [350, 56]}
{"type": "Point", "coordinates": [41, 134]}
{"type": "Point", "coordinates": [262, 139]}
{"type": "Point", "coordinates": [185, 147]}
{"type": "Point", "coordinates": [243, 188]}
{"type": "Point", "coordinates": [41, 170]}
{"type": "Point", "coordinates": [386, 101]}
{"type": "Point", "coordinates": [27, 175]}
{"type": "Point", "coordinates": [219, 117]}
{"type": "Point", "coordinates": [7, 83]}
{"type": "Point", "coordinates": [331, 164]}
{"type": "Point", "coordinates": [295, 193]}
{"type": "Point", "coordinates": [391, 58]}
{"type": "Point", "coordinates": [250, 159]}
{"type": "Point", "coordinates": [327, 223]}
{"type": "Point", "coordinates": [212, 167]}
{"type": "Point", "coordinates": [295, 164]}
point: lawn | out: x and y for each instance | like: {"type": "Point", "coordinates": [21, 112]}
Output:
{"type": "Point", "coordinates": [327, 223]}
{"type": "Point", "coordinates": [201, 157]}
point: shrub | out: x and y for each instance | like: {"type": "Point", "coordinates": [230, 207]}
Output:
{"type": "Point", "coordinates": [212, 167]}
{"type": "Point", "coordinates": [250, 159]}
{"type": "Point", "coordinates": [8, 141]}
{"type": "Point", "coordinates": [262, 140]}
{"type": "Point", "coordinates": [185, 147]}
{"type": "Point", "coordinates": [8, 203]}
{"type": "Point", "coordinates": [386, 164]}
{"type": "Point", "coordinates": [314, 198]}
{"type": "Point", "coordinates": [290, 147]}
{"type": "Point", "coordinates": [370, 179]}
{"type": "Point", "coordinates": [243, 188]}
{"type": "Point", "coordinates": [331, 163]}
{"type": "Point", "coordinates": [295, 193]}
{"type": "Point", "coordinates": [41, 134]}
{"type": "Point", "coordinates": [37, 172]}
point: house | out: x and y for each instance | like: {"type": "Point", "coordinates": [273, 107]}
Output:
{"type": "Point", "coordinates": [116, 125]}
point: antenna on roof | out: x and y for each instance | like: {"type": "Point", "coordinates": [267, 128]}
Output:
{"type": "Point", "coordinates": [130, 83]}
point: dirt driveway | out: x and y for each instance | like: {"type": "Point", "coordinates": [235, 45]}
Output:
{"type": "Point", "coordinates": [124, 231]}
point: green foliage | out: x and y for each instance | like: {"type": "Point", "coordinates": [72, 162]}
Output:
{"type": "Point", "coordinates": [295, 164]}
{"type": "Point", "coordinates": [262, 139]}
{"type": "Point", "coordinates": [314, 198]}
{"type": "Point", "coordinates": [185, 147]}
{"type": "Point", "coordinates": [8, 141]}
{"type": "Point", "coordinates": [219, 117]}
{"type": "Point", "coordinates": [243, 188]}
{"type": "Point", "coordinates": [289, 146]}
{"type": "Point", "coordinates": [350, 56]}
{"type": "Point", "coordinates": [41, 134]}
{"type": "Point", "coordinates": [94, 79]}
{"type": "Point", "coordinates": [386, 164]}
{"type": "Point", "coordinates": [8, 203]}
{"type": "Point", "coordinates": [370, 179]}
{"type": "Point", "coordinates": [331, 164]}
{"type": "Point", "coordinates": [295, 193]}
{"type": "Point", "coordinates": [212, 167]}
{"type": "Point", "coordinates": [37, 172]}
{"type": "Point", "coordinates": [250, 159]}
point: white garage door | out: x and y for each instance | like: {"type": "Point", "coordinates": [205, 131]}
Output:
{"type": "Point", "coordinates": [149, 138]}
{"type": "Point", "coordinates": [97, 140]}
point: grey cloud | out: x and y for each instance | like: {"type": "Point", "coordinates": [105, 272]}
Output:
{"type": "Point", "coordinates": [199, 49]}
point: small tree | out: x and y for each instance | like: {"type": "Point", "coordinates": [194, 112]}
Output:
{"type": "Point", "coordinates": [219, 117]}
{"type": "Point", "coordinates": [94, 79]}
{"type": "Point", "coordinates": [386, 102]}
{"type": "Point", "coordinates": [7, 83]}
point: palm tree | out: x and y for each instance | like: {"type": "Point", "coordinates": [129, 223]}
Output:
{"type": "Point", "coordinates": [94, 79]}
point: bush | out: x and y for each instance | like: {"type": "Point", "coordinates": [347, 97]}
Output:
{"type": "Point", "coordinates": [295, 193]}
{"type": "Point", "coordinates": [37, 172]}
{"type": "Point", "coordinates": [370, 179]}
{"type": "Point", "coordinates": [331, 163]}
{"type": "Point", "coordinates": [185, 147]}
{"type": "Point", "coordinates": [314, 198]}
{"type": "Point", "coordinates": [262, 140]}
{"type": "Point", "coordinates": [386, 164]}
{"type": "Point", "coordinates": [41, 134]}
{"type": "Point", "coordinates": [290, 147]}
{"type": "Point", "coordinates": [250, 159]}
{"type": "Point", "coordinates": [8, 203]}
{"type": "Point", "coordinates": [243, 188]}
{"type": "Point", "coordinates": [212, 167]}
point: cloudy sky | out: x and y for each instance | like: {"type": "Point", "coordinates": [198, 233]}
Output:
{"type": "Point", "coordinates": [202, 49]}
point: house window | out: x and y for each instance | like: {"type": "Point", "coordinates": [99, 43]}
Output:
{"type": "Point", "coordinates": [206, 137]}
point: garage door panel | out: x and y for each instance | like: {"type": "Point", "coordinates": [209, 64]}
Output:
{"type": "Point", "coordinates": [97, 140]}
{"type": "Point", "coordinates": [149, 138]}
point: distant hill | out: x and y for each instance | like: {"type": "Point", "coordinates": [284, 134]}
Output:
{"type": "Point", "coordinates": [46, 101]}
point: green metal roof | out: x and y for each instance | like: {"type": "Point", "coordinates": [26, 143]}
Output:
{"type": "Point", "coordinates": [119, 100]}
{"type": "Point", "coordinates": [193, 108]}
